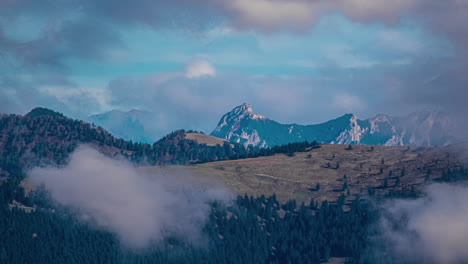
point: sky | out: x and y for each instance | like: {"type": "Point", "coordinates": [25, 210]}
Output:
{"type": "Point", "coordinates": [189, 62]}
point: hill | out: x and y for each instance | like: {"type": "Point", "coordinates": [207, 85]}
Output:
{"type": "Point", "coordinates": [338, 169]}
{"type": "Point", "coordinates": [426, 128]}
{"type": "Point", "coordinates": [44, 137]}
{"type": "Point", "coordinates": [40, 111]}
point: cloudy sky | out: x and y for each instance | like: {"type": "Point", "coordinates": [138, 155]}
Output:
{"type": "Point", "coordinates": [302, 61]}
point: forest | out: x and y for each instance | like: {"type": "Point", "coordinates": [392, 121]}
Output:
{"type": "Point", "coordinates": [250, 230]}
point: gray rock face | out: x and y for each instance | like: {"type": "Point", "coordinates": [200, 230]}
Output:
{"type": "Point", "coordinates": [425, 128]}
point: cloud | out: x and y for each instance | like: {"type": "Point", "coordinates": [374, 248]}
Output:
{"type": "Point", "coordinates": [20, 93]}
{"type": "Point", "coordinates": [399, 40]}
{"type": "Point", "coordinates": [349, 103]}
{"type": "Point", "coordinates": [91, 31]}
{"type": "Point", "coordinates": [374, 10]}
{"type": "Point", "coordinates": [431, 229]}
{"type": "Point", "coordinates": [345, 57]}
{"type": "Point", "coordinates": [200, 68]}
{"type": "Point", "coordinates": [141, 209]}
{"type": "Point", "coordinates": [271, 15]}
{"type": "Point", "coordinates": [68, 95]}
{"type": "Point", "coordinates": [89, 38]}
{"type": "Point", "coordinates": [181, 102]}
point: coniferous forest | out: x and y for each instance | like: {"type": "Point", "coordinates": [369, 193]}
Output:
{"type": "Point", "coordinates": [249, 230]}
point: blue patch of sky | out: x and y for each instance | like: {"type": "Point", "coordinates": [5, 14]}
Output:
{"type": "Point", "coordinates": [335, 44]}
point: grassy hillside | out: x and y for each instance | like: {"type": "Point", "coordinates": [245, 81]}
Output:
{"type": "Point", "coordinates": [205, 139]}
{"type": "Point", "coordinates": [379, 167]}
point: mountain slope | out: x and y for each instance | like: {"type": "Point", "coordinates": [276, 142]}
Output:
{"type": "Point", "coordinates": [44, 137]}
{"type": "Point", "coordinates": [242, 125]}
{"type": "Point", "coordinates": [205, 139]}
{"type": "Point", "coordinates": [382, 168]}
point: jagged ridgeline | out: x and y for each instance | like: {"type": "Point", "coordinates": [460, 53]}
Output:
{"type": "Point", "coordinates": [425, 128]}
{"type": "Point", "coordinates": [45, 137]}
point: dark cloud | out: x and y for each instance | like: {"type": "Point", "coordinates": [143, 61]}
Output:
{"type": "Point", "coordinates": [444, 83]}
{"type": "Point", "coordinates": [20, 93]}
{"type": "Point", "coordinates": [89, 39]}
{"type": "Point", "coordinates": [59, 40]}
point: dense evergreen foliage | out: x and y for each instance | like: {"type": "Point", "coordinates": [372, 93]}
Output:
{"type": "Point", "coordinates": [40, 138]}
{"type": "Point", "coordinates": [452, 175]}
{"type": "Point", "coordinates": [252, 230]}
{"type": "Point", "coordinates": [40, 111]}
{"type": "Point", "coordinates": [175, 149]}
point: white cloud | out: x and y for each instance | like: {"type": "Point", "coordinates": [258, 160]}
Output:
{"type": "Point", "coordinates": [68, 94]}
{"type": "Point", "coordinates": [111, 194]}
{"type": "Point", "coordinates": [431, 229]}
{"type": "Point", "coordinates": [200, 68]}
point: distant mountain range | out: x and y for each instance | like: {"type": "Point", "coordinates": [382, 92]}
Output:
{"type": "Point", "coordinates": [135, 125]}
{"type": "Point", "coordinates": [425, 128]}
{"type": "Point", "coordinates": [242, 125]}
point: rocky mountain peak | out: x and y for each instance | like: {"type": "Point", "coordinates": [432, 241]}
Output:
{"type": "Point", "coordinates": [425, 128]}
{"type": "Point", "coordinates": [236, 115]}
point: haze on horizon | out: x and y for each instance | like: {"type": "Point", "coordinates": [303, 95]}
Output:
{"type": "Point", "coordinates": [190, 62]}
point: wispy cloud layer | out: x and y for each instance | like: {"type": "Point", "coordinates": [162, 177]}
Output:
{"type": "Point", "coordinates": [430, 229]}
{"type": "Point", "coordinates": [141, 209]}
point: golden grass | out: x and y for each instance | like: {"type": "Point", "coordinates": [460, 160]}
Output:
{"type": "Point", "coordinates": [296, 177]}
{"type": "Point", "coordinates": [205, 139]}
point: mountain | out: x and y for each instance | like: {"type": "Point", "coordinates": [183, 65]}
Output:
{"type": "Point", "coordinates": [425, 128]}
{"type": "Point", "coordinates": [135, 125]}
{"type": "Point", "coordinates": [44, 137]}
